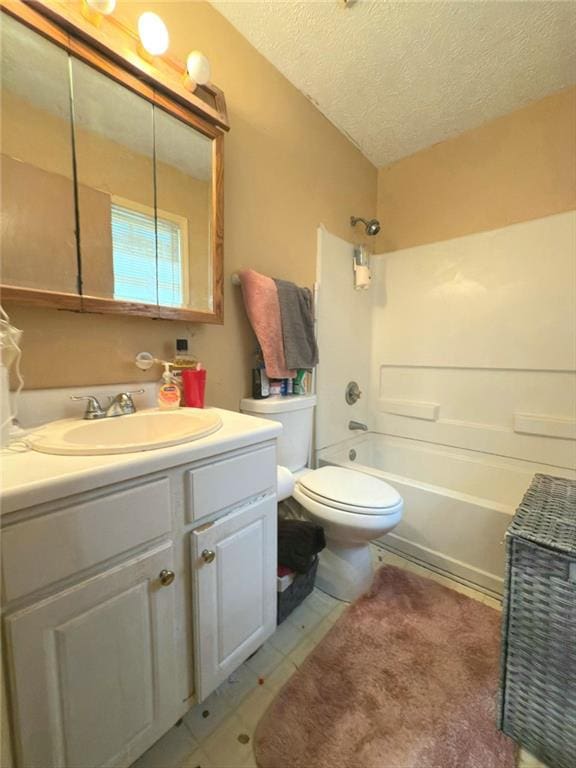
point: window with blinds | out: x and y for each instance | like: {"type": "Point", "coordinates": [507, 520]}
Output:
{"type": "Point", "coordinates": [147, 257]}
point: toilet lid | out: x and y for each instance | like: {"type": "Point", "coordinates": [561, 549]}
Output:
{"type": "Point", "coordinates": [349, 489]}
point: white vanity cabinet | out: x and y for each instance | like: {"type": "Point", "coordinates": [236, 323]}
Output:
{"type": "Point", "coordinates": [90, 617]}
{"type": "Point", "coordinates": [94, 667]}
{"type": "Point", "coordinates": [128, 599]}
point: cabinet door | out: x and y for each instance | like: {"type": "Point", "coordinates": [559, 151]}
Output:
{"type": "Point", "coordinates": [93, 668]}
{"type": "Point", "coordinates": [235, 590]}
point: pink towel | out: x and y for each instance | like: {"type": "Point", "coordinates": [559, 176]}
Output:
{"type": "Point", "coordinates": [263, 310]}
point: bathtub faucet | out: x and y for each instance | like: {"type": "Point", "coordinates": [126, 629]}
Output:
{"type": "Point", "coordinates": [357, 425]}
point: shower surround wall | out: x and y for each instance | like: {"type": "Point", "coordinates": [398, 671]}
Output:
{"type": "Point", "coordinates": [474, 342]}
{"type": "Point", "coordinates": [467, 351]}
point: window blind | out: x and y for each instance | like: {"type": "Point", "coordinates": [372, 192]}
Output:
{"type": "Point", "coordinates": [147, 258]}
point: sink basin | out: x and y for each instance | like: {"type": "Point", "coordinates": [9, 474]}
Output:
{"type": "Point", "coordinates": [141, 431]}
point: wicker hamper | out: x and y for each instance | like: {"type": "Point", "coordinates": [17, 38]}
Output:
{"type": "Point", "coordinates": [538, 684]}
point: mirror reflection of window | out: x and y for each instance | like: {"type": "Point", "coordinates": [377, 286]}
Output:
{"type": "Point", "coordinates": [137, 235]}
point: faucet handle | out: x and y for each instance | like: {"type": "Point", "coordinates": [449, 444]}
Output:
{"type": "Point", "coordinates": [93, 408]}
{"type": "Point", "coordinates": [122, 404]}
{"type": "Point", "coordinates": [125, 398]}
{"type": "Point", "coordinates": [353, 392]}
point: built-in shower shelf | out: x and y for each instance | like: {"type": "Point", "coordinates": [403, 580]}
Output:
{"type": "Point", "coordinates": [412, 408]}
{"type": "Point", "coordinates": [548, 426]}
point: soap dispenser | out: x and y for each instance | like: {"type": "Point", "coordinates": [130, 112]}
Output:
{"type": "Point", "coordinates": [169, 392]}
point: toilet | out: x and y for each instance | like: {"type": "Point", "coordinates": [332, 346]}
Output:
{"type": "Point", "coordinates": [353, 507]}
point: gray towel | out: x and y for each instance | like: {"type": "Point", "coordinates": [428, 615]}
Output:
{"type": "Point", "coordinates": [300, 348]}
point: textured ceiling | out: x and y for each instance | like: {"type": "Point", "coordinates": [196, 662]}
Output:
{"type": "Point", "coordinates": [400, 76]}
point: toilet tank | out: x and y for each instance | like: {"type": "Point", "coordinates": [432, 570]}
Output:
{"type": "Point", "coordinates": [296, 414]}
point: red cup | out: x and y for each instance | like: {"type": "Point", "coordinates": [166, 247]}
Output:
{"type": "Point", "coordinates": [194, 387]}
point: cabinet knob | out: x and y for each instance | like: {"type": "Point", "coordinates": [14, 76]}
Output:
{"type": "Point", "coordinates": [166, 577]}
{"type": "Point", "coordinates": [208, 555]}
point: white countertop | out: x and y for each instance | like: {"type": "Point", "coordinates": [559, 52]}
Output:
{"type": "Point", "coordinates": [29, 477]}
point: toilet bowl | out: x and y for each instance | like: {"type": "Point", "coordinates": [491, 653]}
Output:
{"type": "Point", "coordinates": [353, 508]}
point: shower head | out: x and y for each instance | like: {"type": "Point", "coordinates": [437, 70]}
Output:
{"type": "Point", "coordinates": [372, 226]}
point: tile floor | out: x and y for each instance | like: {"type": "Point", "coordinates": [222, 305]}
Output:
{"type": "Point", "coordinates": [218, 732]}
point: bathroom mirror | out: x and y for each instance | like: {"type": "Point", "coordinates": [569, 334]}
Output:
{"type": "Point", "coordinates": [114, 150]}
{"type": "Point", "coordinates": [111, 180]}
{"type": "Point", "coordinates": [38, 237]}
{"type": "Point", "coordinates": [184, 206]}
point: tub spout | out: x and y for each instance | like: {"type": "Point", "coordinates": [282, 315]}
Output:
{"type": "Point", "coordinates": [357, 425]}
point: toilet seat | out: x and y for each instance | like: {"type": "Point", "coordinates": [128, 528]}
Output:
{"type": "Point", "coordinates": [350, 491]}
{"type": "Point", "coordinates": [348, 527]}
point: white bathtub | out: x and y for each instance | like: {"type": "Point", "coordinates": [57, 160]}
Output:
{"type": "Point", "coordinates": [458, 503]}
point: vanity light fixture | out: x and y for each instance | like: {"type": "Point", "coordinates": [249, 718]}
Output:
{"type": "Point", "coordinates": [197, 70]}
{"type": "Point", "coordinates": [154, 37]}
{"type": "Point", "coordinates": [95, 10]}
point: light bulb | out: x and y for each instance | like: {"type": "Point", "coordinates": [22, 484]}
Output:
{"type": "Point", "coordinates": [198, 67]}
{"type": "Point", "coordinates": [105, 7]}
{"type": "Point", "coordinates": [153, 33]}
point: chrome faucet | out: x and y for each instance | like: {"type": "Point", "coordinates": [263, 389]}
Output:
{"type": "Point", "coordinates": [122, 404]}
{"type": "Point", "coordinates": [118, 405]}
{"type": "Point", "coordinates": [357, 425]}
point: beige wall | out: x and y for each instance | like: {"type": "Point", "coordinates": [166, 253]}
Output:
{"type": "Point", "coordinates": [287, 169]}
{"type": "Point", "coordinates": [517, 168]}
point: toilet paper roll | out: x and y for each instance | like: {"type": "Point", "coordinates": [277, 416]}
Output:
{"type": "Point", "coordinates": [285, 483]}
{"type": "Point", "coordinates": [361, 278]}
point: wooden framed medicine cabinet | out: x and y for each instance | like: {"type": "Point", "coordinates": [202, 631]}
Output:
{"type": "Point", "coordinates": [112, 170]}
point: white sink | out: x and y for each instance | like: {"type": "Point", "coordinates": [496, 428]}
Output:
{"type": "Point", "coordinates": [141, 431]}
